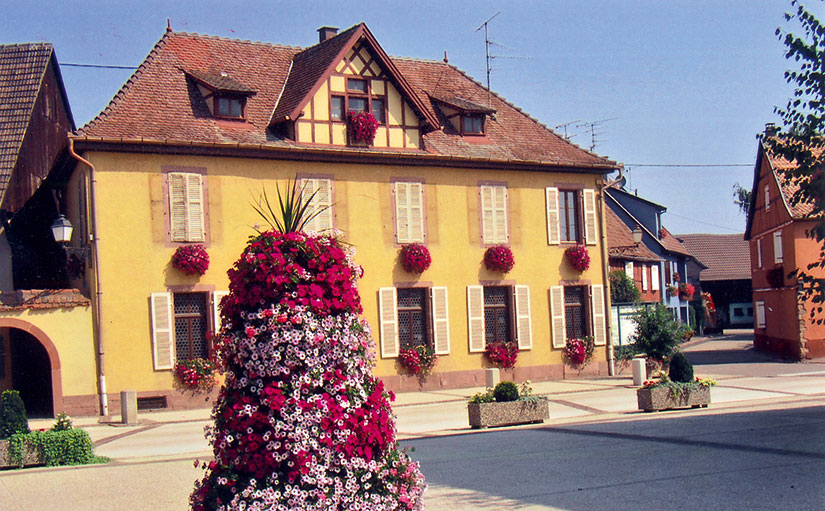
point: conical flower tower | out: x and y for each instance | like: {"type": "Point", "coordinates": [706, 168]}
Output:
{"type": "Point", "coordinates": [301, 423]}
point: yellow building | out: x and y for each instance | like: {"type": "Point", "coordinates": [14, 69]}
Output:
{"type": "Point", "coordinates": [206, 124]}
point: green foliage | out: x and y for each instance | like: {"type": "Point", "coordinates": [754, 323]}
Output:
{"type": "Point", "coordinates": [681, 370]}
{"type": "Point", "coordinates": [67, 447]}
{"type": "Point", "coordinates": [293, 210]}
{"type": "Point", "coordinates": [802, 143]}
{"type": "Point", "coordinates": [625, 353]}
{"type": "Point", "coordinates": [482, 397]}
{"type": "Point", "coordinates": [62, 423]}
{"type": "Point", "coordinates": [622, 288]}
{"type": "Point", "coordinates": [742, 198]}
{"type": "Point", "coordinates": [657, 333]}
{"type": "Point", "coordinates": [506, 391]}
{"type": "Point", "coordinates": [13, 417]}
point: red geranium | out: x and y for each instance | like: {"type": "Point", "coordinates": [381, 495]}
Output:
{"type": "Point", "coordinates": [362, 127]}
{"type": "Point", "coordinates": [499, 258]}
{"type": "Point", "coordinates": [686, 291]}
{"type": "Point", "coordinates": [191, 259]}
{"type": "Point", "coordinates": [578, 257]}
{"type": "Point", "coordinates": [502, 353]}
{"type": "Point", "coordinates": [579, 351]}
{"type": "Point", "coordinates": [415, 258]}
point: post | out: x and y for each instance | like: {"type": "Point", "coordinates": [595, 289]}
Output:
{"type": "Point", "coordinates": [128, 407]}
{"type": "Point", "coordinates": [639, 371]}
{"type": "Point", "coordinates": [492, 377]}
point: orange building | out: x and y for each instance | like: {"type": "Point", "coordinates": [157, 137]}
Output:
{"type": "Point", "coordinates": [779, 245]}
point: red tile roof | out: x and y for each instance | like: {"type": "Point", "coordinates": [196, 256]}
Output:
{"type": "Point", "coordinates": [22, 67]}
{"type": "Point", "coordinates": [42, 299]}
{"type": "Point", "coordinates": [620, 242]}
{"type": "Point", "coordinates": [727, 256]}
{"type": "Point", "coordinates": [671, 243]}
{"type": "Point", "coordinates": [156, 104]}
{"type": "Point", "coordinates": [788, 187]}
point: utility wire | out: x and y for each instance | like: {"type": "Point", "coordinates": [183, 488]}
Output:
{"type": "Point", "coordinates": [689, 164]}
{"type": "Point", "coordinates": [704, 223]}
{"type": "Point", "coordinates": [98, 66]}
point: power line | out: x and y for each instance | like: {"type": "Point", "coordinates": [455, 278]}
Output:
{"type": "Point", "coordinates": [98, 66]}
{"type": "Point", "coordinates": [703, 223]}
{"type": "Point", "coordinates": [689, 164]}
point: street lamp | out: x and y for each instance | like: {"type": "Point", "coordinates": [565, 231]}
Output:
{"type": "Point", "coordinates": [62, 230]}
{"type": "Point", "coordinates": [637, 234]}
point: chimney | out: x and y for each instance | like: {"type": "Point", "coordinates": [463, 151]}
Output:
{"type": "Point", "coordinates": [771, 130]}
{"type": "Point", "coordinates": [325, 33]}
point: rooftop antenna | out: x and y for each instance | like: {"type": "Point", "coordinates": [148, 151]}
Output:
{"type": "Point", "coordinates": [593, 127]}
{"type": "Point", "coordinates": [487, 44]}
{"type": "Point", "coordinates": [564, 127]}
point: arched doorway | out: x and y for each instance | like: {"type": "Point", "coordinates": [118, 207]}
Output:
{"type": "Point", "coordinates": [31, 366]}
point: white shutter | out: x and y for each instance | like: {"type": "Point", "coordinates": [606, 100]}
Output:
{"type": "Point", "coordinates": [777, 247]}
{"type": "Point", "coordinates": [441, 320]}
{"type": "Point", "coordinates": [590, 224]}
{"type": "Point", "coordinates": [416, 203]}
{"type": "Point", "coordinates": [760, 314]}
{"type": "Point", "coordinates": [177, 206]}
{"type": "Point", "coordinates": [217, 296]}
{"type": "Point", "coordinates": [557, 323]}
{"type": "Point", "coordinates": [628, 270]}
{"type": "Point", "coordinates": [759, 253]}
{"type": "Point", "coordinates": [475, 318]}
{"type": "Point", "coordinates": [194, 208]}
{"type": "Point", "coordinates": [553, 228]}
{"type": "Point", "coordinates": [409, 212]}
{"type": "Point", "coordinates": [388, 317]}
{"type": "Point", "coordinates": [598, 309]}
{"type": "Point", "coordinates": [487, 215]}
{"type": "Point", "coordinates": [321, 203]}
{"type": "Point", "coordinates": [654, 277]}
{"type": "Point", "coordinates": [500, 223]}
{"type": "Point", "coordinates": [524, 327]}
{"type": "Point", "coordinates": [163, 354]}
{"type": "Point", "coordinates": [644, 277]}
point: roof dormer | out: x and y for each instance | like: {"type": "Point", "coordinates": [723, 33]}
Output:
{"type": "Point", "coordinates": [224, 96]}
{"type": "Point", "coordinates": [466, 117]}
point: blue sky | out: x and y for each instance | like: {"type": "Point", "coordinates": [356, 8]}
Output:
{"type": "Point", "coordinates": [682, 82]}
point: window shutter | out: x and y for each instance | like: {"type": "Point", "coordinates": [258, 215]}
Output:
{"type": "Point", "coordinates": [598, 309]}
{"type": "Point", "coordinates": [162, 343]}
{"type": "Point", "coordinates": [388, 316]}
{"type": "Point", "coordinates": [217, 296]}
{"type": "Point", "coordinates": [557, 323]}
{"type": "Point", "coordinates": [177, 206]}
{"type": "Point", "coordinates": [759, 253]}
{"type": "Point", "coordinates": [524, 327]}
{"type": "Point", "coordinates": [416, 204]}
{"type": "Point", "coordinates": [590, 224]}
{"type": "Point", "coordinates": [321, 203]}
{"type": "Point", "coordinates": [475, 318]}
{"type": "Point", "coordinates": [777, 247]}
{"type": "Point", "coordinates": [654, 277]}
{"type": "Point", "coordinates": [194, 208]}
{"type": "Point", "coordinates": [644, 277]}
{"type": "Point", "coordinates": [487, 215]}
{"type": "Point", "coordinates": [628, 270]}
{"type": "Point", "coordinates": [500, 214]}
{"type": "Point", "coordinates": [760, 314]}
{"type": "Point", "coordinates": [553, 229]}
{"type": "Point", "coordinates": [441, 320]}
{"type": "Point", "coordinates": [767, 198]}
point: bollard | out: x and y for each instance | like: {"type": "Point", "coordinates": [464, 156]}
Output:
{"type": "Point", "coordinates": [128, 407]}
{"type": "Point", "coordinates": [492, 377]}
{"type": "Point", "coordinates": [639, 371]}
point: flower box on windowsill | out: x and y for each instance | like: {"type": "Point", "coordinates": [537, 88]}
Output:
{"type": "Point", "coordinates": [510, 413]}
{"type": "Point", "coordinates": [663, 398]}
{"type": "Point", "coordinates": [32, 455]}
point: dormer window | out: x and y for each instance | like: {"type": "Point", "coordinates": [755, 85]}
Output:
{"type": "Point", "coordinates": [466, 117]}
{"type": "Point", "coordinates": [224, 96]}
{"type": "Point", "coordinates": [472, 124]}
{"type": "Point", "coordinates": [359, 97]}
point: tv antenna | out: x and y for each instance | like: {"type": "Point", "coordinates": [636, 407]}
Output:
{"type": "Point", "coordinates": [564, 127]}
{"type": "Point", "coordinates": [595, 128]}
{"type": "Point", "coordinates": [487, 44]}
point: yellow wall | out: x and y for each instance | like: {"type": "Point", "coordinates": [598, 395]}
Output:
{"type": "Point", "coordinates": [70, 330]}
{"type": "Point", "coordinates": [136, 256]}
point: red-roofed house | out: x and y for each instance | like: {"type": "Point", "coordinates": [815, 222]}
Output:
{"type": "Point", "coordinates": [206, 123]}
{"type": "Point", "coordinates": [778, 246]}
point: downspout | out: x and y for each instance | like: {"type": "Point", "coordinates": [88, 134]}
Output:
{"type": "Point", "coordinates": [98, 291]}
{"type": "Point", "coordinates": [611, 361]}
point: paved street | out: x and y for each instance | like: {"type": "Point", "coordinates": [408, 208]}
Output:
{"type": "Point", "coordinates": [760, 440]}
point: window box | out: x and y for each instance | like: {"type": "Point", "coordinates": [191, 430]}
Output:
{"type": "Point", "coordinates": [663, 398]}
{"type": "Point", "coordinates": [510, 413]}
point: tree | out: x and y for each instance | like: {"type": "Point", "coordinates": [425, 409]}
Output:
{"type": "Point", "coordinates": [742, 198]}
{"type": "Point", "coordinates": [657, 333]}
{"type": "Point", "coordinates": [802, 139]}
{"type": "Point", "coordinates": [622, 288]}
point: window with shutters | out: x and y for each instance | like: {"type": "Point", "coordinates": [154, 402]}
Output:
{"type": "Point", "coordinates": [569, 216]}
{"type": "Point", "coordinates": [761, 320]}
{"type": "Point", "coordinates": [413, 319]}
{"type": "Point", "coordinates": [318, 192]}
{"type": "Point", "coordinates": [777, 247]}
{"type": "Point", "coordinates": [191, 325]}
{"type": "Point", "coordinates": [186, 207]}
{"type": "Point", "coordinates": [498, 313]}
{"type": "Point", "coordinates": [409, 211]}
{"type": "Point", "coordinates": [577, 324]}
{"type": "Point", "coordinates": [494, 220]}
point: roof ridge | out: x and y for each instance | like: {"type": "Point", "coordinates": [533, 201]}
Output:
{"type": "Point", "coordinates": [33, 43]}
{"type": "Point", "coordinates": [525, 114]}
{"type": "Point", "coordinates": [237, 40]}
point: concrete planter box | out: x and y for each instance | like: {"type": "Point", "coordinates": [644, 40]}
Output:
{"type": "Point", "coordinates": [486, 415]}
{"type": "Point", "coordinates": [661, 398]}
{"type": "Point", "coordinates": [31, 456]}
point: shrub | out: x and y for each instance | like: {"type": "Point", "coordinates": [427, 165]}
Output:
{"type": "Point", "coordinates": [622, 288]}
{"type": "Point", "coordinates": [506, 391]}
{"type": "Point", "coordinates": [13, 417]}
{"type": "Point", "coordinates": [67, 447]}
{"type": "Point", "coordinates": [62, 423]}
{"type": "Point", "coordinates": [657, 333]}
{"type": "Point", "coordinates": [681, 370]}
{"type": "Point", "coordinates": [625, 352]}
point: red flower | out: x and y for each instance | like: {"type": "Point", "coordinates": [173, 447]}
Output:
{"type": "Point", "coordinates": [362, 127]}
{"type": "Point", "coordinates": [191, 259]}
{"type": "Point", "coordinates": [415, 258]}
{"type": "Point", "coordinates": [502, 353]}
{"type": "Point", "coordinates": [499, 258]}
{"type": "Point", "coordinates": [578, 257]}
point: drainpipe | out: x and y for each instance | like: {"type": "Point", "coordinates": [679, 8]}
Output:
{"type": "Point", "coordinates": [98, 291]}
{"type": "Point", "coordinates": [611, 361]}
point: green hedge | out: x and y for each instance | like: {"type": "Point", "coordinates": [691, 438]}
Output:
{"type": "Point", "coordinates": [68, 447]}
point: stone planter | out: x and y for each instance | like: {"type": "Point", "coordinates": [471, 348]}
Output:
{"type": "Point", "coordinates": [31, 456]}
{"type": "Point", "coordinates": [661, 398]}
{"type": "Point", "coordinates": [486, 415]}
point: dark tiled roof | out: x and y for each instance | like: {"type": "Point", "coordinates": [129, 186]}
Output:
{"type": "Point", "coordinates": [42, 299]}
{"type": "Point", "coordinates": [620, 240]}
{"type": "Point", "coordinates": [727, 256]}
{"type": "Point", "coordinates": [671, 243]}
{"type": "Point", "coordinates": [800, 210]}
{"type": "Point", "coordinates": [22, 67]}
{"type": "Point", "coordinates": [219, 81]}
{"type": "Point", "coordinates": [156, 105]}
{"type": "Point", "coordinates": [463, 104]}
